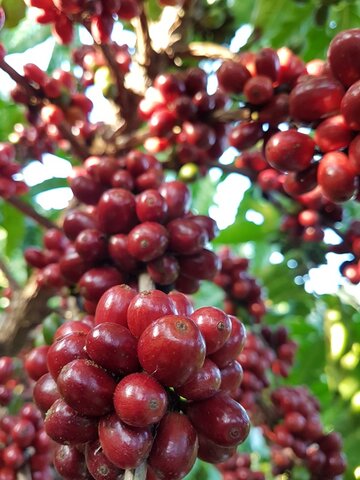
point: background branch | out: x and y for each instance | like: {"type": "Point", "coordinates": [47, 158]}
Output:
{"type": "Point", "coordinates": [13, 284]}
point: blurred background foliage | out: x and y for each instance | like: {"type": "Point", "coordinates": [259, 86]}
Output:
{"type": "Point", "coordinates": [326, 326]}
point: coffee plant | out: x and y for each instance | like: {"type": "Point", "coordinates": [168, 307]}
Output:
{"type": "Point", "coordinates": [179, 240]}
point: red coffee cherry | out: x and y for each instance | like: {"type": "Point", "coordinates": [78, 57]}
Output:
{"type": "Point", "coordinates": [69, 462]}
{"type": "Point", "coordinates": [202, 384]}
{"type": "Point", "coordinates": [214, 325]}
{"type": "Point", "coordinates": [66, 349]}
{"type": "Point", "coordinates": [164, 270]}
{"type": "Point", "coordinates": [177, 198]}
{"type": "Point", "coordinates": [350, 106]}
{"type": "Point", "coordinates": [182, 303]}
{"type": "Point", "coordinates": [337, 177]}
{"type": "Point", "coordinates": [45, 392]}
{"type": "Point", "coordinates": [96, 281]}
{"type": "Point", "coordinates": [35, 362]}
{"type": "Point", "coordinates": [232, 76]}
{"type": "Point", "coordinates": [151, 207]}
{"type": "Point", "coordinates": [213, 453]}
{"type": "Point", "coordinates": [343, 56]}
{"type": "Point", "coordinates": [116, 211]}
{"type": "Point", "coordinates": [99, 465]}
{"type": "Point", "coordinates": [148, 241]}
{"type": "Point", "coordinates": [113, 305]}
{"type": "Point", "coordinates": [233, 345]}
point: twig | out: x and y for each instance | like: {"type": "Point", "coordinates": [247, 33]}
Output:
{"type": "Point", "coordinates": [226, 116]}
{"type": "Point", "coordinates": [146, 55]}
{"type": "Point", "coordinates": [78, 146]}
{"type": "Point", "coordinates": [30, 212]}
{"type": "Point", "coordinates": [202, 50]}
{"type": "Point", "coordinates": [13, 283]}
{"type": "Point", "coordinates": [19, 79]}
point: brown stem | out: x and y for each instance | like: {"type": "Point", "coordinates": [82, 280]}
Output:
{"type": "Point", "coordinates": [9, 276]}
{"type": "Point", "coordinates": [78, 146]}
{"type": "Point", "coordinates": [145, 282]}
{"type": "Point", "coordinates": [205, 50]}
{"type": "Point", "coordinates": [19, 79]}
{"type": "Point", "coordinates": [145, 52]}
{"type": "Point", "coordinates": [30, 212]}
{"type": "Point", "coordinates": [226, 116]}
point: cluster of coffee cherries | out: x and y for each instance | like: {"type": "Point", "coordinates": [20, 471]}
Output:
{"type": "Point", "coordinates": [272, 351]}
{"type": "Point", "coordinates": [94, 66]}
{"type": "Point", "coordinates": [238, 467]}
{"type": "Point", "coordinates": [9, 370]}
{"type": "Point", "coordinates": [99, 16]}
{"type": "Point", "coordinates": [321, 96]}
{"type": "Point", "coordinates": [180, 113]}
{"type": "Point", "coordinates": [10, 185]}
{"type": "Point", "coordinates": [31, 141]}
{"type": "Point", "coordinates": [119, 234]}
{"type": "Point", "coordinates": [146, 375]}
{"type": "Point", "coordinates": [242, 290]}
{"type": "Point", "coordinates": [298, 435]}
{"type": "Point", "coordinates": [350, 244]}
{"type": "Point", "coordinates": [24, 445]}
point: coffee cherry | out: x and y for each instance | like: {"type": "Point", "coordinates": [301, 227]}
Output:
{"type": "Point", "coordinates": [332, 134]}
{"type": "Point", "coordinates": [202, 266]}
{"type": "Point", "coordinates": [183, 306]}
{"type": "Point", "coordinates": [151, 207]}
{"type": "Point", "coordinates": [177, 197]}
{"type": "Point", "coordinates": [116, 211]}
{"type": "Point", "coordinates": [91, 245]}
{"type": "Point", "coordinates": [163, 270]}
{"type": "Point", "coordinates": [12, 456]}
{"type": "Point", "coordinates": [231, 377]}
{"type": "Point", "coordinates": [221, 419]}
{"type": "Point", "coordinates": [202, 384]}
{"type": "Point", "coordinates": [233, 346]}
{"type": "Point", "coordinates": [175, 334]}
{"type": "Point", "coordinates": [258, 89]}
{"type": "Point", "coordinates": [267, 63]}
{"type": "Point", "coordinates": [71, 326]}
{"type": "Point", "coordinates": [23, 433]}
{"type": "Point", "coordinates": [336, 176]}
{"type": "Point", "coordinates": [139, 400]}
{"type": "Point", "coordinates": [65, 350]}
{"type": "Point", "coordinates": [214, 325]}
{"type": "Point", "coordinates": [98, 465]}
{"type": "Point", "coordinates": [186, 236]}
{"type": "Point", "coordinates": [213, 453]}
{"type": "Point", "coordinates": [35, 362]}
{"type": "Point", "coordinates": [45, 392]}
{"type": "Point", "coordinates": [69, 462]}
{"type": "Point", "coordinates": [344, 58]}
{"type": "Point", "coordinates": [177, 437]}
{"type": "Point", "coordinates": [86, 387]}
{"type": "Point", "coordinates": [148, 241]}
{"type": "Point", "coordinates": [119, 253]}
{"type": "Point", "coordinates": [350, 106]}
{"type": "Point", "coordinates": [113, 347]}
{"type": "Point", "coordinates": [232, 76]}
{"type": "Point", "coordinates": [76, 221]}
{"type": "Point", "coordinates": [113, 305]}
{"type": "Point", "coordinates": [290, 151]}
{"type": "Point", "coordinates": [126, 447]}
{"type": "Point", "coordinates": [96, 281]}
{"type": "Point", "coordinates": [145, 308]}
{"type": "Point", "coordinates": [65, 425]}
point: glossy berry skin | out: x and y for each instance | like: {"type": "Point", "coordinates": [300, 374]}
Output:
{"type": "Point", "coordinates": [333, 134]}
{"type": "Point", "coordinates": [151, 207]}
{"type": "Point", "coordinates": [258, 89]}
{"type": "Point", "coordinates": [35, 362]}
{"type": "Point", "coordinates": [23, 433]}
{"type": "Point", "coordinates": [113, 347]}
{"type": "Point", "coordinates": [145, 308]}
{"type": "Point", "coordinates": [86, 387]}
{"type": "Point", "coordinates": [97, 280]}
{"type": "Point", "coordinates": [45, 392]}
{"type": "Point", "coordinates": [98, 465]}
{"type": "Point", "coordinates": [290, 151]}
{"type": "Point", "coordinates": [177, 197]}
{"type": "Point", "coordinates": [186, 236]}
{"type": "Point", "coordinates": [76, 221]}
{"type": "Point", "coordinates": [183, 305]}
{"type": "Point", "coordinates": [211, 452]}
{"type": "Point", "coordinates": [267, 63]}
{"type": "Point", "coordinates": [233, 346]}
{"type": "Point", "coordinates": [354, 153]}
{"type": "Point", "coordinates": [126, 447]}
{"type": "Point", "coordinates": [13, 456]}
{"type": "Point", "coordinates": [214, 325]}
{"type": "Point", "coordinates": [69, 462]}
{"type": "Point", "coordinates": [148, 241]}
{"type": "Point", "coordinates": [113, 305]}
{"type": "Point", "coordinates": [343, 56]}
{"type": "Point", "coordinates": [202, 266]}
{"type": "Point", "coordinates": [175, 447]}
{"type": "Point", "coordinates": [171, 349]}
{"type": "Point", "coordinates": [350, 106]}
{"type": "Point", "coordinates": [245, 135]}
{"type": "Point", "coordinates": [336, 176]}
{"type": "Point", "coordinates": [232, 76]}
{"type": "Point", "coordinates": [202, 384]}
{"type": "Point", "coordinates": [119, 253]}
{"type": "Point", "coordinates": [64, 350]}
{"type": "Point", "coordinates": [163, 270]}
{"type": "Point", "coordinates": [231, 377]}
{"type": "Point", "coordinates": [65, 425]}
{"type": "Point", "coordinates": [221, 419]}
{"type": "Point", "coordinates": [315, 98]}
{"type": "Point", "coordinates": [140, 400]}
{"type": "Point", "coordinates": [91, 244]}
{"type": "Point", "coordinates": [116, 211]}
{"type": "Point", "coordinates": [70, 327]}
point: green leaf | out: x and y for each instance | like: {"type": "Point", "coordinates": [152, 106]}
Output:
{"type": "Point", "coordinates": [14, 223]}
{"type": "Point", "coordinates": [50, 184]}
{"type": "Point", "coordinates": [10, 115]}
{"type": "Point", "coordinates": [14, 12]}
{"type": "Point", "coordinates": [18, 40]}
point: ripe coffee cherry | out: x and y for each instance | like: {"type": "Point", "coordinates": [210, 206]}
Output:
{"type": "Point", "coordinates": [113, 347]}
{"type": "Point", "coordinates": [126, 447]}
{"type": "Point", "coordinates": [350, 106]}
{"type": "Point", "coordinates": [336, 176]}
{"type": "Point", "coordinates": [232, 76]}
{"type": "Point", "coordinates": [119, 253]}
{"type": "Point", "coordinates": [267, 63]}
{"type": "Point", "coordinates": [276, 110]}
{"type": "Point", "coordinates": [145, 308]}
{"type": "Point", "coordinates": [343, 56]}
{"type": "Point", "coordinates": [65, 350]}
{"type": "Point", "coordinates": [333, 134]}
{"type": "Point", "coordinates": [231, 377]}
{"type": "Point", "coordinates": [76, 221]}
{"type": "Point", "coordinates": [86, 387]}
{"type": "Point", "coordinates": [315, 98]}
{"type": "Point", "coordinates": [139, 400]}
{"type": "Point", "coordinates": [71, 326]}
{"type": "Point", "coordinates": [169, 85]}
{"type": "Point", "coordinates": [213, 453]}
{"type": "Point", "coordinates": [207, 224]}
{"type": "Point", "coordinates": [297, 183]}
{"type": "Point", "coordinates": [202, 384]}
{"type": "Point", "coordinates": [148, 241]}
{"type": "Point", "coordinates": [13, 456]}
{"type": "Point", "coordinates": [177, 197]}
{"type": "Point", "coordinates": [221, 419]}
{"type": "Point", "coordinates": [258, 89]}
{"type": "Point", "coordinates": [202, 266]}
{"type": "Point", "coordinates": [45, 392]}
{"type": "Point", "coordinates": [122, 179]}
{"type": "Point", "coordinates": [186, 236]}
{"type": "Point", "coordinates": [354, 153]}
{"type": "Point", "coordinates": [186, 284]}
{"type": "Point", "coordinates": [65, 425]}
{"type": "Point", "coordinates": [69, 462]}
{"type": "Point", "coordinates": [98, 465]}
{"type": "Point", "coordinates": [96, 281]}
{"type": "Point", "coordinates": [151, 207]}
{"type": "Point", "coordinates": [113, 305]}
{"type": "Point", "coordinates": [73, 266]}
{"type": "Point", "coordinates": [171, 349]}
{"type": "Point", "coordinates": [116, 211]}
{"type": "Point", "coordinates": [23, 433]}
{"type": "Point", "coordinates": [175, 447]}
{"type": "Point", "coordinates": [233, 345]}
{"type": "Point", "coordinates": [183, 305]}
{"type": "Point", "coordinates": [162, 122]}
{"type": "Point", "coordinates": [214, 325]}
{"type": "Point", "coordinates": [35, 362]}
{"type": "Point", "coordinates": [290, 151]}
{"type": "Point", "coordinates": [163, 270]}
{"type": "Point", "coordinates": [91, 244]}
